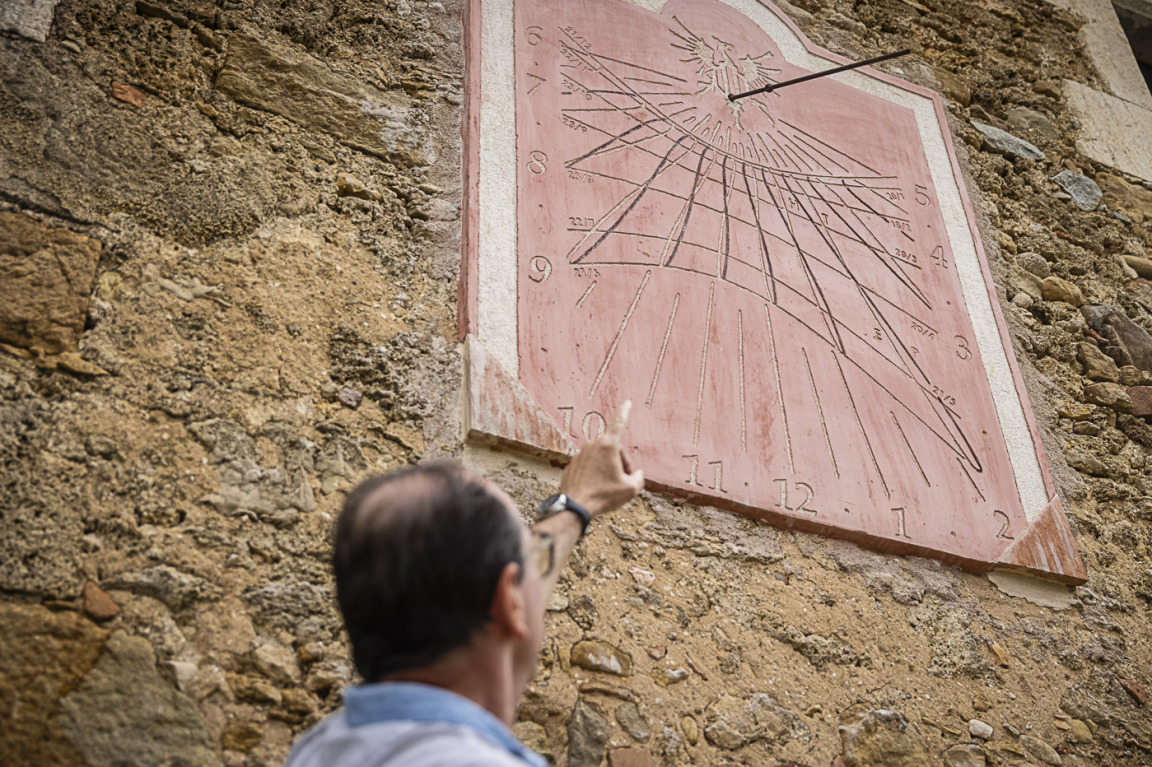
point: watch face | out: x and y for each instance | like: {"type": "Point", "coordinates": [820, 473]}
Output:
{"type": "Point", "coordinates": [787, 285]}
{"type": "Point", "coordinates": [552, 503]}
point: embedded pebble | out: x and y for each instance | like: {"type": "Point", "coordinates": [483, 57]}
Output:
{"type": "Point", "coordinates": [1005, 143]}
{"type": "Point", "coordinates": [1083, 190]}
{"type": "Point", "coordinates": [978, 729]}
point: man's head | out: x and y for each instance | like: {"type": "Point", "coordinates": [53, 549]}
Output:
{"type": "Point", "coordinates": [418, 558]}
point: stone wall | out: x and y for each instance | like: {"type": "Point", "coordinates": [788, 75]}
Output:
{"type": "Point", "coordinates": [229, 239]}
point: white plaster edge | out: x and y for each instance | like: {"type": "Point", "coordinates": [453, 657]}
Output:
{"type": "Point", "coordinates": [496, 241]}
{"type": "Point", "coordinates": [1038, 591]}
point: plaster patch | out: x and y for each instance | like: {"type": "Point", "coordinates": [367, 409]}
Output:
{"type": "Point", "coordinates": [1038, 591]}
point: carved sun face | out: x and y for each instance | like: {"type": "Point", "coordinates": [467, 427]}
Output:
{"type": "Point", "coordinates": [721, 74]}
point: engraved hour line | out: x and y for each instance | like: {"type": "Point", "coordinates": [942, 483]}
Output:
{"type": "Point", "coordinates": [758, 225]}
{"type": "Point", "coordinates": [799, 296]}
{"type": "Point", "coordinates": [820, 412]}
{"type": "Point", "coordinates": [663, 348]}
{"type": "Point", "coordinates": [809, 177]}
{"type": "Point", "coordinates": [829, 146]}
{"type": "Point", "coordinates": [969, 476]}
{"type": "Point", "coordinates": [878, 249]}
{"type": "Point", "coordinates": [612, 77]}
{"type": "Point", "coordinates": [703, 364]}
{"type": "Point", "coordinates": [893, 338]}
{"type": "Point", "coordinates": [860, 423]}
{"type": "Point", "coordinates": [586, 292]}
{"type": "Point", "coordinates": [619, 138]}
{"type": "Point", "coordinates": [852, 234]}
{"type": "Point", "coordinates": [636, 194]}
{"type": "Point", "coordinates": [776, 154]}
{"type": "Point", "coordinates": [725, 245]}
{"type": "Point", "coordinates": [766, 156]}
{"type": "Point", "coordinates": [812, 256]}
{"type": "Point", "coordinates": [800, 147]}
{"type": "Point", "coordinates": [852, 191]}
{"type": "Point", "coordinates": [653, 82]}
{"type": "Point", "coordinates": [740, 360]}
{"type": "Point", "coordinates": [881, 255]}
{"type": "Point", "coordinates": [810, 276]}
{"type": "Point", "coordinates": [951, 441]}
{"type": "Point", "coordinates": [801, 140]}
{"type": "Point", "coordinates": [571, 163]}
{"type": "Point", "coordinates": [766, 265]}
{"type": "Point", "coordinates": [609, 75]}
{"type": "Point", "coordinates": [599, 56]}
{"type": "Point", "coordinates": [686, 211]}
{"type": "Point", "coordinates": [619, 334]}
{"type": "Point", "coordinates": [908, 445]}
{"type": "Point", "coordinates": [789, 150]}
{"type": "Point", "coordinates": [779, 390]}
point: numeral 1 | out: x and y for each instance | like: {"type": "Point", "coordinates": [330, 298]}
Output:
{"type": "Point", "coordinates": [901, 532]}
{"type": "Point", "coordinates": [717, 472]}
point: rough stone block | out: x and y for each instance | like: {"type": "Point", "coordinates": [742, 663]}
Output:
{"type": "Point", "coordinates": [1141, 400]}
{"type": "Point", "coordinates": [1134, 200]}
{"type": "Point", "coordinates": [881, 736]}
{"type": "Point", "coordinates": [1108, 394]}
{"type": "Point", "coordinates": [124, 712]}
{"type": "Point", "coordinates": [45, 654]}
{"type": "Point", "coordinates": [1056, 288]}
{"type": "Point", "coordinates": [97, 603]}
{"type": "Point", "coordinates": [1107, 127]}
{"type": "Point", "coordinates": [29, 18]}
{"type": "Point", "coordinates": [1098, 366]}
{"type": "Point", "coordinates": [46, 278]}
{"type": "Point", "coordinates": [1109, 49]}
{"type": "Point", "coordinates": [292, 84]}
{"type": "Point", "coordinates": [629, 757]}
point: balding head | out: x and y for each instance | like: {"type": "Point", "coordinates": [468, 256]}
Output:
{"type": "Point", "coordinates": [418, 553]}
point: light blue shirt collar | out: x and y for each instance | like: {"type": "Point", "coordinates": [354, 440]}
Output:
{"type": "Point", "coordinates": [414, 702]}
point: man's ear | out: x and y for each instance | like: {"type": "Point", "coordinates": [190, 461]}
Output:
{"type": "Point", "coordinates": [508, 611]}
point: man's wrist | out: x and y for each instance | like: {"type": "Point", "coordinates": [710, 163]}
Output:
{"type": "Point", "coordinates": [561, 503]}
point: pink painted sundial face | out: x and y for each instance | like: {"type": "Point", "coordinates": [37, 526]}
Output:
{"type": "Point", "coordinates": [770, 281]}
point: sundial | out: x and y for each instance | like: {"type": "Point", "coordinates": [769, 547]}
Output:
{"type": "Point", "coordinates": [789, 285]}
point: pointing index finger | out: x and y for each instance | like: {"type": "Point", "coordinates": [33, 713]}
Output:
{"type": "Point", "coordinates": [620, 420]}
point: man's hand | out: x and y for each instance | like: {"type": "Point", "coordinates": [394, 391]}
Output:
{"type": "Point", "coordinates": [600, 477]}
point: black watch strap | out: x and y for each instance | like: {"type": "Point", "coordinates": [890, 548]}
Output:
{"type": "Point", "coordinates": [555, 504]}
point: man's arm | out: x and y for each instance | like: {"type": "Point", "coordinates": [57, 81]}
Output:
{"type": "Point", "coordinates": [600, 478]}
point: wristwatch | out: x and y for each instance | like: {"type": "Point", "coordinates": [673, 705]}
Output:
{"type": "Point", "coordinates": [554, 504]}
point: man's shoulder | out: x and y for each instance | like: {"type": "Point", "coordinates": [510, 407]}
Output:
{"type": "Point", "coordinates": [332, 743]}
